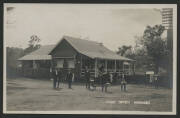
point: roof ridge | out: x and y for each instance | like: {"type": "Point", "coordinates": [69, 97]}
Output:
{"type": "Point", "coordinates": [49, 45]}
{"type": "Point", "coordinates": [34, 52]}
{"type": "Point", "coordinates": [77, 38]}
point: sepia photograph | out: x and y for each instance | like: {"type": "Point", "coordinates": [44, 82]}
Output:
{"type": "Point", "coordinates": [90, 58]}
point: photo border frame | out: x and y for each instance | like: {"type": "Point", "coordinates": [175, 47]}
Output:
{"type": "Point", "coordinates": [87, 2]}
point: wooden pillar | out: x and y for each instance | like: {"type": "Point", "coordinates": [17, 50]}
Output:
{"type": "Point", "coordinates": [81, 66]}
{"type": "Point", "coordinates": [123, 66]}
{"type": "Point", "coordinates": [129, 68]}
{"type": "Point", "coordinates": [51, 62]}
{"type": "Point", "coordinates": [34, 64]}
{"type": "Point", "coordinates": [106, 65]}
{"type": "Point", "coordinates": [74, 69]}
{"type": "Point", "coordinates": [134, 68]}
{"type": "Point", "coordinates": [74, 62]}
{"type": "Point", "coordinates": [119, 66]}
{"type": "Point", "coordinates": [95, 67]}
{"type": "Point", "coordinates": [115, 65]}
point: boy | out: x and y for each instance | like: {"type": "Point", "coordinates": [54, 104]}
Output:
{"type": "Point", "coordinates": [123, 83]}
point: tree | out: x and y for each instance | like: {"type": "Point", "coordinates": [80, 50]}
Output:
{"type": "Point", "coordinates": [154, 44]}
{"type": "Point", "coordinates": [150, 51]}
{"type": "Point", "coordinates": [122, 50]}
{"type": "Point", "coordinates": [12, 56]}
{"type": "Point", "coordinates": [33, 44]}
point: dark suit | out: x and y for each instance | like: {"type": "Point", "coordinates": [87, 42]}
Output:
{"type": "Point", "coordinates": [54, 78]}
{"type": "Point", "coordinates": [69, 79]}
{"type": "Point", "coordinates": [87, 77]}
{"type": "Point", "coordinates": [59, 77]}
{"type": "Point", "coordinates": [123, 83]}
{"type": "Point", "coordinates": [104, 80]}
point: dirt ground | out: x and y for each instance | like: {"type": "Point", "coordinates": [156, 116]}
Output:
{"type": "Point", "coordinates": [25, 94]}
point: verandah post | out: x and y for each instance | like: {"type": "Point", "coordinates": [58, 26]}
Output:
{"type": "Point", "coordinates": [95, 67]}
{"type": "Point", "coordinates": [115, 66]}
{"type": "Point", "coordinates": [50, 69]}
{"type": "Point", "coordinates": [81, 66]}
{"type": "Point", "coordinates": [134, 68]}
{"type": "Point", "coordinates": [123, 66]}
{"type": "Point", "coordinates": [106, 65]}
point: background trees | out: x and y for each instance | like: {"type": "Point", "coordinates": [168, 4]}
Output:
{"type": "Point", "coordinates": [122, 50]}
{"type": "Point", "coordinates": [34, 44]}
{"type": "Point", "coordinates": [156, 47]}
{"type": "Point", "coordinates": [150, 50]}
{"type": "Point", "coordinates": [13, 54]}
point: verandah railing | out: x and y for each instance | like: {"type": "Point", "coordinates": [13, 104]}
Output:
{"type": "Point", "coordinates": [34, 73]}
{"type": "Point", "coordinates": [111, 71]}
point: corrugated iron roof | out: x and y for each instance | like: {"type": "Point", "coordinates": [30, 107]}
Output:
{"type": "Point", "coordinates": [36, 57]}
{"type": "Point", "coordinates": [93, 49]}
{"type": "Point", "coordinates": [40, 54]}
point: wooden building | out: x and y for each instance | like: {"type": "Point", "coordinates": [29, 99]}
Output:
{"type": "Point", "coordinates": [76, 54]}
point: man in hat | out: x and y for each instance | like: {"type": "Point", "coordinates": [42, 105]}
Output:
{"type": "Point", "coordinates": [50, 73]}
{"type": "Point", "coordinates": [103, 80]}
{"type": "Point", "coordinates": [156, 83]}
{"type": "Point", "coordinates": [107, 80]}
{"type": "Point", "coordinates": [87, 77]}
{"type": "Point", "coordinates": [59, 77]}
{"type": "Point", "coordinates": [54, 75]}
{"type": "Point", "coordinates": [123, 83]}
{"type": "Point", "coordinates": [69, 78]}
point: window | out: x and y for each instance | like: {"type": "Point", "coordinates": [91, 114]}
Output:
{"type": "Point", "coordinates": [70, 63]}
{"type": "Point", "coordinates": [60, 63]}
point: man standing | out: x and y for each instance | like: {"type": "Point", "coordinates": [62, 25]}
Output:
{"type": "Point", "coordinates": [54, 78]}
{"type": "Point", "coordinates": [107, 81]}
{"type": "Point", "coordinates": [151, 80]}
{"type": "Point", "coordinates": [115, 77]}
{"type": "Point", "coordinates": [87, 77]}
{"type": "Point", "coordinates": [156, 81]}
{"type": "Point", "coordinates": [69, 78]}
{"type": "Point", "coordinates": [123, 83]}
{"type": "Point", "coordinates": [59, 76]}
{"type": "Point", "coordinates": [103, 81]}
{"type": "Point", "coordinates": [51, 74]}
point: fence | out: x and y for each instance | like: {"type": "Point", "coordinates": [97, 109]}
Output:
{"type": "Point", "coordinates": [44, 73]}
{"type": "Point", "coordinates": [163, 80]}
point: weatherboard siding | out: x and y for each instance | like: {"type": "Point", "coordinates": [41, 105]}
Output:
{"type": "Point", "coordinates": [64, 49]}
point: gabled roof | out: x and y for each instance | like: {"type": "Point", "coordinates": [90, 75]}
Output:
{"type": "Point", "coordinates": [40, 54]}
{"type": "Point", "coordinates": [92, 49]}
{"type": "Point", "coordinates": [88, 48]}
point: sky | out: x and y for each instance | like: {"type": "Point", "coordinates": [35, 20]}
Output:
{"type": "Point", "coordinates": [112, 25]}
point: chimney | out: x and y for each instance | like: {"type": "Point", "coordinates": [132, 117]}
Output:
{"type": "Point", "coordinates": [101, 44]}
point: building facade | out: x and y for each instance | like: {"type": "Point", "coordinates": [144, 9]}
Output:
{"type": "Point", "coordinates": [76, 54]}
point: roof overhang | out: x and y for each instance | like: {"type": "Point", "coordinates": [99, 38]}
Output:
{"type": "Point", "coordinates": [35, 57]}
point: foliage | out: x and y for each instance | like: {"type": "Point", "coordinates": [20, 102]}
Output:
{"type": "Point", "coordinates": [143, 60]}
{"type": "Point", "coordinates": [122, 50]}
{"type": "Point", "coordinates": [150, 51]}
{"type": "Point", "coordinates": [12, 56]}
{"type": "Point", "coordinates": [156, 47]}
{"type": "Point", "coordinates": [33, 44]}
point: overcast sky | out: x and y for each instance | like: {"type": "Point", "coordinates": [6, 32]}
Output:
{"type": "Point", "coordinates": [112, 25]}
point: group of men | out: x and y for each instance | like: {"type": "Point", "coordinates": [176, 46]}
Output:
{"type": "Point", "coordinates": [105, 80]}
{"type": "Point", "coordinates": [58, 77]}
{"type": "Point", "coordinates": [153, 80]}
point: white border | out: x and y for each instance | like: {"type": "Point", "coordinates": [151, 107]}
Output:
{"type": "Point", "coordinates": [123, 6]}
